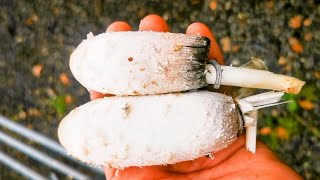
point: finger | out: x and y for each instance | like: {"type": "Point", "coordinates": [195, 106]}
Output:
{"type": "Point", "coordinates": [205, 162]}
{"type": "Point", "coordinates": [95, 95]}
{"type": "Point", "coordinates": [119, 26]}
{"type": "Point", "coordinates": [153, 23]}
{"type": "Point", "coordinates": [147, 172]}
{"type": "Point", "coordinates": [198, 28]}
{"type": "Point", "coordinates": [109, 172]}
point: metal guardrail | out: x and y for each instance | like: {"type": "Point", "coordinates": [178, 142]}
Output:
{"type": "Point", "coordinates": [38, 155]}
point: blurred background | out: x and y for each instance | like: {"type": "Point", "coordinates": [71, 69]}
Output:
{"type": "Point", "coordinates": [37, 37]}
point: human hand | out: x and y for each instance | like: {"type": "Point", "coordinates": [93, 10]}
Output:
{"type": "Point", "coordinates": [234, 162]}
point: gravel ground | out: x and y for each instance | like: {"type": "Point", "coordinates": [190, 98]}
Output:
{"type": "Point", "coordinates": [37, 88]}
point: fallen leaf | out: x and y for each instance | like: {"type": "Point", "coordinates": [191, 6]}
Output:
{"type": "Point", "coordinates": [141, 12]}
{"type": "Point", "coordinates": [235, 48]}
{"type": "Point", "coordinates": [33, 112]}
{"type": "Point", "coordinates": [50, 92]}
{"type": "Point", "coordinates": [30, 126]}
{"type": "Point", "coordinates": [32, 19]}
{"type": "Point", "coordinates": [317, 74]}
{"type": "Point", "coordinates": [226, 44]}
{"type": "Point", "coordinates": [307, 22]}
{"type": "Point", "coordinates": [18, 38]}
{"type": "Point", "coordinates": [274, 113]}
{"type": "Point", "coordinates": [68, 99]}
{"type": "Point", "coordinates": [22, 114]}
{"type": "Point", "coordinates": [213, 5]}
{"type": "Point", "coordinates": [64, 79]}
{"type": "Point", "coordinates": [307, 36]}
{"type": "Point", "coordinates": [36, 70]}
{"type": "Point", "coordinates": [282, 61]}
{"type": "Point", "coordinates": [193, 2]}
{"type": "Point", "coordinates": [288, 68]}
{"type": "Point", "coordinates": [270, 5]}
{"type": "Point", "coordinates": [295, 45]}
{"type": "Point", "coordinates": [281, 133]}
{"type": "Point", "coordinates": [56, 11]}
{"type": "Point", "coordinates": [242, 16]}
{"type": "Point", "coordinates": [265, 131]}
{"type": "Point", "coordinates": [295, 22]}
{"type": "Point", "coordinates": [227, 5]}
{"type": "Point", "coordinates": [306, 104]}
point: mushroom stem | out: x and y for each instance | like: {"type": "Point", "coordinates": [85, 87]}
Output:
{"type": "Point", "coordinates": [252, 78]}
{"type": "Point", "coordinates": [251, 132]}
{"type": "Point", "coordinates": [249, 108]}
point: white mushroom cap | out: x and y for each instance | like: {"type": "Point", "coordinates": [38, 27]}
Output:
{"type": "Point", "coordinates": [150, 130]}
{"type": "Point", "coordinates": [132, 63]}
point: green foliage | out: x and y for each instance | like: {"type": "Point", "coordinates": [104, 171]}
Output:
{"type": "Point", "coordinates": [286, 121]}
{"type": "Point", "coordinates": [290, 124]}
{"type": "Point", "coordinates": [293, 105]}
{"type": "Point", "coordinates": [309, 92]}
{"type": "Point", "coordinates": [59, 105]}
{"type": "Point", "coordinates": [268, 120]}
{"type": "Point", "coordinates": [272, 141]}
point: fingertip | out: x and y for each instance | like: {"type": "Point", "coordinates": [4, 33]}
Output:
{"type": "Point", "coordinates": [201, 29]}
{"type": "Point", "coordinates": [109, 172]}
{"type": "Point", "coordinates": [95, 95]}
{"type": "Point", "coordinates": [118, 26]}
{"type": "Point", "coordinates": [153, 22]}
